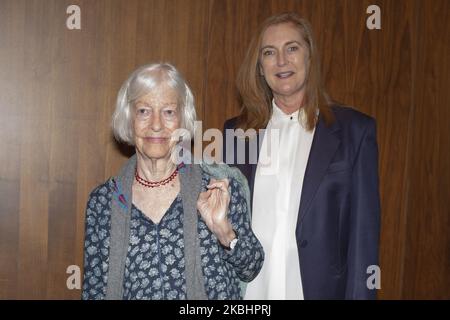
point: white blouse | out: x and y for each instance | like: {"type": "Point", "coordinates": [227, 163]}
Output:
{"type": "Point", "coordinates": [276, 200]}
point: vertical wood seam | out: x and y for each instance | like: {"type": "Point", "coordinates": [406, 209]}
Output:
{"type": "Point", "coordinates": [409, 151]}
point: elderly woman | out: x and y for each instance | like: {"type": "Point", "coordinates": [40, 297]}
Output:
{"type": "Point", "coordinates": [159, 229]}
{"type": "Point", "coordinates": [316, 203]}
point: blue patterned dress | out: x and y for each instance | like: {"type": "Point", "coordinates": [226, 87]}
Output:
{"type": "Point", "coordinates": [154, 267]}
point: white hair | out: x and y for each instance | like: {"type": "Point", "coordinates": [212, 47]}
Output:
{"type": "Point", "coordinates": [141, 82]}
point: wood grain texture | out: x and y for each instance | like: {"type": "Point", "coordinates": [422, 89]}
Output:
{"type": "Point", "coordinates": [10, 120]}
{"type": "Point", "coordinates": [58, 90]}
{"type": "Point", "coordinates": [231, 29]}
{"type": "Point", "coordinates": [427, 258]}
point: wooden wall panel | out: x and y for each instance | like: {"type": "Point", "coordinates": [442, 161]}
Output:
{"type": "Point", "coordinates": [35, 149]}
{"type": "Point", "coordinates": [10, 121]}
{"type": "Point", "coordinates": [231, 28]}
{"type": "Point", "coordinates": [381, 86]}
{"type": "Point", "coordinates": [58, 90]}
{"type": "Point", "coordinates": [427, 258]}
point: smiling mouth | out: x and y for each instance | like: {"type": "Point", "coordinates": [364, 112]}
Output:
{"type": "Point", "coordinates": [156, 139]}
{"type": "Point", "coordinates": [284, 75]}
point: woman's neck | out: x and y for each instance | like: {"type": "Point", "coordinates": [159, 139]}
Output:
{"type": "Point", "coordinates": [154, 169]}
{"type": "Point", "coordinates": [289, 104]}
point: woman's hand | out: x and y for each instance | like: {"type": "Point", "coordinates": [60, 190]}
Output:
{"type": "Point", "coordinates": [213, 207]}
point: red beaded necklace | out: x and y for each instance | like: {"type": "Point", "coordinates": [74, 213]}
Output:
{"type": "Point", "coordinates": [154, 184]}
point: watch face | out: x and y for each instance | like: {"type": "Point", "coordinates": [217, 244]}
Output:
{"type": "Point", "coordinates": [233, 243]}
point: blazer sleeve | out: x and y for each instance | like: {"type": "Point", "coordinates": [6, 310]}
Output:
{"type": "Point", "coordinates": [364, 217]}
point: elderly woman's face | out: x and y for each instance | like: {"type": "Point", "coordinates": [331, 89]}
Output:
{"type": "Point", "coordinates": [156, 117]}
{"type": "Point", "coordinates": [283, 59]}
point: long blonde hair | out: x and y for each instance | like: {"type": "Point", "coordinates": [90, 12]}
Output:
{"type": "Point", "coordinates": [256, 95]}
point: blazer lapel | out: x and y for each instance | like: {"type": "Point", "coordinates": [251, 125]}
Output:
{"type": "Point", "coordinates": [324, 146]}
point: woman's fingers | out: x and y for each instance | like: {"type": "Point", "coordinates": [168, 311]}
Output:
{"type": "Point", "coordinates": [219, 184]}
{"type": "Point", "coordinates": [204, 195]}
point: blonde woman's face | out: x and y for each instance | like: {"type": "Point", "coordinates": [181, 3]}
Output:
{"type": "Point", "coordinates": [283, 60]}
{"type": "Point", "coordinates": [156, 117]}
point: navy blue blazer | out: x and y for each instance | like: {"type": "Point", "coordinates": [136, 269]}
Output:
{"type": "Point", "coordinates": [338, 222]}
